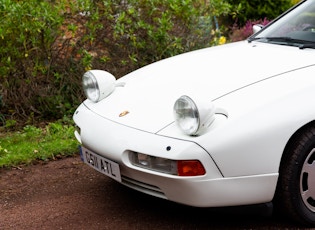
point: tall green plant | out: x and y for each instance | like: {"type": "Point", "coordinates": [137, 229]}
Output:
{"type": "Point", "coordinates": [28, 28]}
{"type": "Point", "coordinates": [45, 46]}
{"type": "Point", "coordinates": [27, 31]}
{"type": "Point", "coordinates": [255, 9]}
{"type": "Point", "coordinates": [136, 32]}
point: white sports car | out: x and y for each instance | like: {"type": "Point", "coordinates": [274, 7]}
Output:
{"type": "Point", "coordinates": [229, 125]}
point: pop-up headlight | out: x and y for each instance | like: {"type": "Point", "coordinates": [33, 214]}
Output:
{"type": "Point", "coordinates": [193, 116]}
{"type": "Point", "coordinates": [98, 84]}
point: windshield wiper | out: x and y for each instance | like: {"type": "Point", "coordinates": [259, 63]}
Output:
{"type": "Point", "coordinates": [255, 39]}
{"type": "Point", "coordinates": [306, 46]}
{"type": "Point", "coordinates": [286, 40]}
{"type": "Point", "coordinates": [302, 44]}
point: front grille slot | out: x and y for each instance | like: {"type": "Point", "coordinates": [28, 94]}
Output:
{"type": "Point", "coordinates": [143, 187]}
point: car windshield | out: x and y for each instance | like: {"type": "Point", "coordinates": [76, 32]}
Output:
{"type": "Point", "coordinates": [296, 28]}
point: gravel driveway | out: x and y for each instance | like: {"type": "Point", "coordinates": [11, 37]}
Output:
{"type": "Point", "coordinates": [66, 194]}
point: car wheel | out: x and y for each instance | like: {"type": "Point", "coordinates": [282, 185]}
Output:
{"type": "Point", "coordinates": [296, 185]}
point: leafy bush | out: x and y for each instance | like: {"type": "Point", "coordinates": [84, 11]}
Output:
{"type": "Point", "coordinates": [245, 10]}
{"type": "Point", "coordinates": [240, 31]}
{"type": "Point", "coordinates": [45, 46]}
{"type": "Point", "coordinates": [136, 33]}
{"type": "Point", "coordinates": [28, 58]}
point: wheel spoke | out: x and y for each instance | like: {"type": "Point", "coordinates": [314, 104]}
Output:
{"type": "Point", "coordinates": [307, 184]}
{"type": "Point", "coordinates": [308, 194]}
{"type": "Point", "coordinates": [310, 170]}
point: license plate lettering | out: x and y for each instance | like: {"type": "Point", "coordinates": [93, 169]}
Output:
{"type": "Point", "coordinates": [106, 167]}
{"type": "Point", "coordinates": [101, 164]}
{"type": "Point", "coordinates": [91, 159]}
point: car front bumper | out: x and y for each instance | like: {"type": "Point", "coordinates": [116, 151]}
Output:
{"type": "Point", "coordinates": [115, 142]}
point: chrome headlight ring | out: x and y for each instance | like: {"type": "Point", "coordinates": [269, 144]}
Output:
{"type": "Point", "coordinates": [98, 84]}
{"type": "Point", "coordinates": [193, 116]}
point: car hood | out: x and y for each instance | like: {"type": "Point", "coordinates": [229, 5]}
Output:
{"type": "Point", "coordinates": [144, 99]}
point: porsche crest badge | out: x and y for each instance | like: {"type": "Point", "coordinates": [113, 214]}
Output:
{"type": "Point", "coordinates": [123, 113]}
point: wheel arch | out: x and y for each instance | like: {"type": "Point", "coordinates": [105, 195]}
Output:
{"type": "Point", "coordinates": [293, 139]}
{"type": "Point", "coordinates": [286, 199]}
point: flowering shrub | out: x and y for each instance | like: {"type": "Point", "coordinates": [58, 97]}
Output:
{"type": "Point", "coordinates": [244, 32]}
{"type": "Point", "coordinates": [217, 38]}
{"type": "Point", "coordinates": [45, 46]}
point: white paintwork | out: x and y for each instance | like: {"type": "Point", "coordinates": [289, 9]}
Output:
{"type": "Point", "coordinates": [150, 93]}
{"type": "Point", "coordinates": [114, 141]}
{"type": "Point", "coordinates": [263, 93]}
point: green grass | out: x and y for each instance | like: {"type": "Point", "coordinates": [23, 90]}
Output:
{"type": "Point", "coordinates": [37, 144]}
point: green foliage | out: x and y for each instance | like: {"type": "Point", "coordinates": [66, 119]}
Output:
{"type": "Point", "coordinates": [28, 32]}
{"type": "Point", "coordinates": [45, 46]}
{"type": "Point", "coordinates": [33, 144]}
{"type": "Point", "coordinates": [245, 10]}
{"type": "Point", "coordinates": [136, 33]}
{"type": "Point", "coordinates": [28, 28]}
{"type": "Point", "coordinates": [295, 1]}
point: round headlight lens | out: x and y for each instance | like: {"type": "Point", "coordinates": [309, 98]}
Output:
{"type": "Point", "coordinates": [90, 87]}
{"type": "Point", "coordinates": [187, 115]}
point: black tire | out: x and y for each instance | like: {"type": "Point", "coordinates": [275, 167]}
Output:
{"type": "Point", "coordinates": [296, 185]}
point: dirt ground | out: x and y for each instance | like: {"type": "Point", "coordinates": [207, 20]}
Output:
{"type": "Point", "coordinates": [66, 194]}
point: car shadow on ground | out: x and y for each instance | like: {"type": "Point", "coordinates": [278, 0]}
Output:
{"type": "Point", "coordinates": [144, 207]}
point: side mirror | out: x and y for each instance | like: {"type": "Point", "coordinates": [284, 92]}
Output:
{"type": "Point", "coordinates": [257, 28]}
